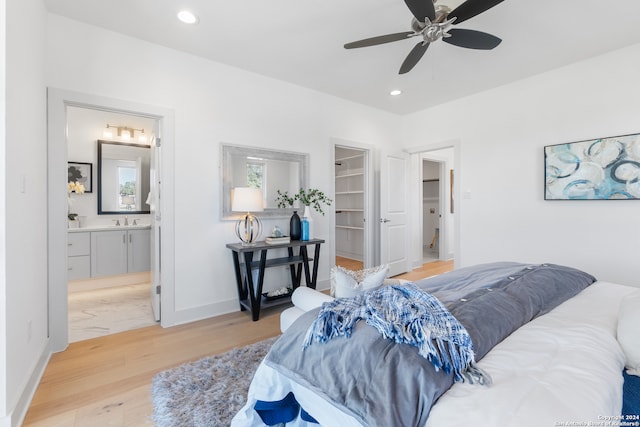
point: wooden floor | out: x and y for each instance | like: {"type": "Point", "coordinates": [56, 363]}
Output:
{"type": "Point", "coordinates": [106, 381]}
{"type": "Point", "coordinates": [349, 264]}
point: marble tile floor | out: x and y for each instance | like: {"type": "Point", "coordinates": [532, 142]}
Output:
{"type": "Point", "coordinates": [108, 311]}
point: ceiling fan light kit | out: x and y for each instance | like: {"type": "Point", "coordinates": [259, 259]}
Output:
{"type": "Point", "coordinates": [433, 23]}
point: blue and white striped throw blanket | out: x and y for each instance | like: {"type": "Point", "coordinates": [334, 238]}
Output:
{"type": "Point", "coordinates": [407, 315]}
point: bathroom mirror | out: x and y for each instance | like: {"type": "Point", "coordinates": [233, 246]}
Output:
{"type": "Point", "coordinates": [124, 180]}
{"type": "Point", "coordinates": [269, 170]}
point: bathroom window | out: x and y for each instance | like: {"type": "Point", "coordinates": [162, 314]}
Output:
{"type": "Point", "coordinates": [127, 179]}
{"type": "Point", "coordinates": [256, 176]}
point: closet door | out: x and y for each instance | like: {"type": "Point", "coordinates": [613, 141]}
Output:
{"type": "Point", "coordinates": [394, 232]}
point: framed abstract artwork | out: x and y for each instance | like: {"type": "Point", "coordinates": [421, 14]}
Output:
{"type": "Point", "coordinates": [82, 173]}
{"type": "Point", "coordinates": [596, 169]}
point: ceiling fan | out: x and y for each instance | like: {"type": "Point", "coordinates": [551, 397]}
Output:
{"type": "Point", "coordinates": [433, 23]}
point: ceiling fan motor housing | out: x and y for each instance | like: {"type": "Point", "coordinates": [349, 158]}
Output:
{"type": "Point", "coordinates": [431, 31]}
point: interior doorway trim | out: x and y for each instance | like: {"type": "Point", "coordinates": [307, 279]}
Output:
{"type": "Point", "coordinates": [57, 102]}
{"type": "Point", "coordinates": [443, 207]}
{"type": "Point", "coordinates": [369, 253]}
{"type": "Point", "coordinates": [417, 153]}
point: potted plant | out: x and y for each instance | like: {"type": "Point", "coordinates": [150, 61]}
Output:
{"type": "Point", "coordinates": [283, 200]}
{"type": "Point", "coordinates": [311, 197]}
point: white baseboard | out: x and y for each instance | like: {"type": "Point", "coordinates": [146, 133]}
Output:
{"type": "Point", "coordinates": [357, 257]}
{"type": "Point", "coordinates": [18, 414]}
{"type": "Point", "coordinates": [217, 309]}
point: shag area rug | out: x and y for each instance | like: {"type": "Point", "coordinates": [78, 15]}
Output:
{"type": "Point", "coordinates": [207, 392]}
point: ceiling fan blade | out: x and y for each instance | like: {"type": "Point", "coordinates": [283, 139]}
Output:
{"type": "Point", "coordinates": [472, 39]}
{"type": "Point", "coordinates": [414, 56]}
{"type": "Point", "coordinates": [471, 8]}
{"type": "Point", "coordinates": [422, 9]}
{"type": "Point", "coordinates": [379, 40]}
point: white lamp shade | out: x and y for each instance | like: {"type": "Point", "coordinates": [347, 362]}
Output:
{"type": "Point", "coordinates": [245, 199]}
{"type": "Point", "coordinates": [128, 200]}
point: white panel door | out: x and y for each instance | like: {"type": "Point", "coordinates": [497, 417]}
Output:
{"type": "Point", "coordinates": [394, 243]}
{"type": "Point", "coordinates": [154, 204]}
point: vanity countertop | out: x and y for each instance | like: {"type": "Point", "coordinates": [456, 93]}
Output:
{"type": "Point", "coordinates": [109, 228]}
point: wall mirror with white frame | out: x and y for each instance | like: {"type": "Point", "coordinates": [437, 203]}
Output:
{"type": "Point", "coordinates": [269, 170]}
{"type": "Point", "coordinates": [124, 179]}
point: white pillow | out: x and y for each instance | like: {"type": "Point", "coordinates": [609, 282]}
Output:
{"type": "Point", "coordinates": [629, 332]}
{"type": "Point", "coordinates": [346, 283]}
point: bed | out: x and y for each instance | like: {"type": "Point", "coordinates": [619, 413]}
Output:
{"type": "Point", "coordinates": [561, 364]}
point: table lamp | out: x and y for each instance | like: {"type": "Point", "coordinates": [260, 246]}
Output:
{"type": "Point", "coordinates": [247, 200]}
{"type": "Point", "coordinates": [128, 201]}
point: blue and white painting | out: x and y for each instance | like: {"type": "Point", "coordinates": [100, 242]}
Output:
{"type": "Point", "coordinates": [598, 169]}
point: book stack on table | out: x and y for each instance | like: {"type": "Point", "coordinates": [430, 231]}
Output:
{"type": "Point", "coordinates": [271, 240]}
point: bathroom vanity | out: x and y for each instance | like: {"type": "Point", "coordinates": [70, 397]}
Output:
{"type": "Point", "coordinates": [108, 251]}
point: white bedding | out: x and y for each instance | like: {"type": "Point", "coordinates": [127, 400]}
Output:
{"type": "Point", "coordinates": [563, 368]}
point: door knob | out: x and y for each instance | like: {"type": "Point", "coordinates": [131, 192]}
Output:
{"type": "Point", "coordinates": [383, 220]}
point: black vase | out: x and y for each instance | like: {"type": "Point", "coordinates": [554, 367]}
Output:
{"type": "Point", "coordinates": [295, 228]}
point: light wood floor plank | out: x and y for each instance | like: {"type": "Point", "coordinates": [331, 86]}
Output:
{"type": "Point", "coordinates": [106, 381]}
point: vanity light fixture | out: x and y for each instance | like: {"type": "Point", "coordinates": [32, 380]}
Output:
{"type": "Point", "coordinates": [124, 132]}
{"type": "Point", "coordinates": [107, 133]}
{"type": "Point", "coordinates": [187, 17]}
{"type": "Point", "coordinates": [249, 227]}
{"type": "Point", "coordinates": [395, 92]}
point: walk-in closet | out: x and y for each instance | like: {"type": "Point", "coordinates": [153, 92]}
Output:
{"type": "Point", "coordinates": [350, 203]}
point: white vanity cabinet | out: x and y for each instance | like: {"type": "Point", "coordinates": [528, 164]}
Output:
{"type": "Point", "coordinates": [103, 252]}
{"type": "Point", "coordinates": [108, 253]}
{"type": "Point", "coordinates": [138, 250]}
{"type": "Point", "coordinates": [120, 251]}
{"type": "Point", "coordinates": [79, 256]}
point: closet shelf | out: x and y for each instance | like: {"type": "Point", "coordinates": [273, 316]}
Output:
{"type": "Point", "coordinates": [338, 193]}
{"type": "Point", "coordinates": [349, 227]}
{"type": "Point", "coordinates": [349, 175]}
{"type": "Point", "coordinates": [355, 156]}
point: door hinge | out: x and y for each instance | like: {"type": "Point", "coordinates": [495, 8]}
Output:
{"type": "Point", "coordinates": [158, 290]}
{"type": "Point", "coordinates": [158, 142]}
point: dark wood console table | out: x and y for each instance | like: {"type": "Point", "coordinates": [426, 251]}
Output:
{"type": "Point", "coordinates": [250, 293]}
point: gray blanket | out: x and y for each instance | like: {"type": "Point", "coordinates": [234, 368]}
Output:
{"type": "Point", "coordinates": [381, 383]}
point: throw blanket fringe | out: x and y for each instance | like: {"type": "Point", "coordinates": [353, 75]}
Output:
{"type": "Point", "coordinates": [406, 315]}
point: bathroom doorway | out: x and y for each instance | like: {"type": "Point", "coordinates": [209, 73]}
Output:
{"type": "Point", "coordinates": [431, 210]}
{"type": "Point", "coordinates": [143, 232]}
{"type": "Point", "coordinates": [110, 294]}
{"type": "Point", "coordinates": [437, 204]}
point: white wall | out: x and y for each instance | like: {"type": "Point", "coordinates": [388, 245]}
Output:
{"type": "Point", "coordinates": [213, 103]}
{"type": "Point", "coordinates": [23, 233]}
{"type": "Point", "coordinates": [503, 131]}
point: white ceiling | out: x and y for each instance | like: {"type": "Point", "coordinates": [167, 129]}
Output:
{"type": "Point", "coordinates": [300, 41]}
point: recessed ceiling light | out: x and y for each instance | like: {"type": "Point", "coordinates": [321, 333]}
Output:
{"type": "Point", "coordinates": [187, 17]}
{"type": "Point", "coordinates": [395, 92]}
